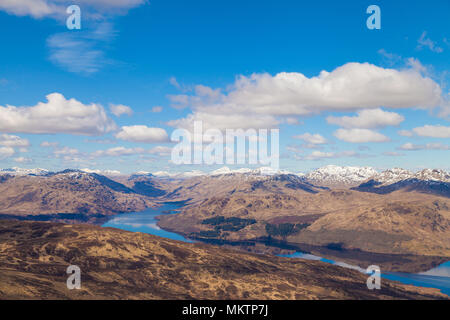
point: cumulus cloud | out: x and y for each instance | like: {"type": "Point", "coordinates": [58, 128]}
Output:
{"type": "Point", "coordinates": [120, 109]}
{"type": "Point", "coordinates": [316, 155]}
{"type": "Point", "coordinates": [226, 121]}
{"type": "Point", "coordinates": [65, 151]}
{"type": "Point", "coordinates": [57, 115]}
{"type": "Point", "coordinates": [360, 135]}
{"type": "Point", "coordinates": [311, 138]}
{"type": "Point", "coordinates": [264, 99]}
{"type": "Point", "coordinates": [433, 131]}
{"type": "Point", "coordinates": [118, 151]}
{"type": "Point", "coordinates": [47, 144]}
{"type": "Point", "coordinates": [23, 160]}
{"type": "Point", "coordinates": [368, 119]}
{"type": "Point", "coordinates": [160, 150]}
{"type": "Point", "coordinates": [141, 133]}
{"type": "Point", "coordinates": [122, 151]}
{"type": "Point", "coordinates": [7, 140]}
{"type": "Point", "coordinates": [429, 146]}
{"type": "Point", "coordinates": [405, 133]}
{"type": "Point", "coordinates": [320, 155]}
{"type": "Point", "coordinates": [6, 152]}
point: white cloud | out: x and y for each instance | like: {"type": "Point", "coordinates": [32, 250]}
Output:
{"type": "Point", "coordinates": [264, 98]}
{"type": "Point", "coordinates": [226, 121]}
{"type": "Point", "coordinates": [315, 155]}
{"type": "Point", "coordinates": [44, 8]}
{"type": "Point", "coordinates": [311, 138]}
{"type": "Point", "coordinates": [173, 81]}
{"type": "Point", "coordinates": [118, 151]}
{"type": "Point", "coordinates": [47, 144]}
{"type": "Point", "coordinates": [23, 160]}
{"type": "Point", "coordinates": [390, 58]}
{"type": "Point", "coordinates": [160, 150]}
{"type": "Point", "coordinates": [393, 154]}
{"type": "Point", "coordinates": [34, 8]}
{"type": "Point", "coordinates": [57, 115]}
{"type": "Point", "coordinates": [360, 135]}
{"type": "Point", "coordinates": [120, 109]}
{"type": "Point", "coordinates": [65, 151]}
{"type": "Point", "coordinates": [142, 133]}
{"type": "Point", "coordinates": [319, 155]}
{"type": "Point", "coordinates": [6, 152]}
{"type": "Point", "coordinates": [7, 140]}
{"type": "Point", "coordinates": [405, 133]}
{"type": "Point", "coordinates": [429, 146]}
{"type": "Point", "coordinates": [157, 109]}
{"type": "Point", "coordinates": [82, 52]}
{"type": "Point", "coordinates": [368, 119]}
{"type": "Point", "coordinates": [424, 41]}
{"type": "Point", "coordinates": [433, 131]}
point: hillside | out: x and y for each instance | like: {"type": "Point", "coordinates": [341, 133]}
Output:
{"type": "Point", "coordinates": [398, 223]}
{"type": "Point", "coordinates": [427, 181]}
{"type": "Point", "coordinates": [68, 195]}
{"type": "Point", "coordinates": [117, 264]}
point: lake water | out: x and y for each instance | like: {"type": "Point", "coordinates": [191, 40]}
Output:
{"type": "Point", "coordinates": [145, 221]}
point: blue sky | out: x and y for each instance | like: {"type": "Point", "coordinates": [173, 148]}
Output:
{"type": "Point", "coordinates": [392, 84]}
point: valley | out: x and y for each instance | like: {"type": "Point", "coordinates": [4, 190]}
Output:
{"type": "Point", "coordinates": [395, 219]}
{"type": "Point", "coordinates": [117, 264]}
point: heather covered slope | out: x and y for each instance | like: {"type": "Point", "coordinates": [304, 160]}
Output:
{"type": "Point", "coordinates": [117, 264]}
{"type": "Point", "coordinates": [83, 195]}
{"type": "Point", "coordinates": [401, 222]}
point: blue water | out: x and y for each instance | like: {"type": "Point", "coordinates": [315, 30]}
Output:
{"type": "Point", "coordinates": [438, 277]}
{"type": "Point", "coordinates": [435, 278]}
{"type": "Point", "coordinates": [145, 221]}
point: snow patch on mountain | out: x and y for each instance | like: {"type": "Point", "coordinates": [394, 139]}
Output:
{"type": "Point", "coordinates": [22, 172]}
{"type": "Point", "coordinates": [343, 176]}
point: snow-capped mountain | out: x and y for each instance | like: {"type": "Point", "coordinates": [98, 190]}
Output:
{"type": "Point", "coordinates": [395, 175]}
{"type": "Point", "coordinates": [23, 172]}
{"type": "Point", "coordinates": [224, 171]}
{"type": "Point", "coordinates": [177, 175]}
{"type": "Point", "coordinates": [340, 176]}
{"type": "Point", "coordinates": [430, 181]}
{"type": "Point", "coordinates": [433, 175]}
{"type": "Point", "coordinates": [102, 172]}
{"type": "Point", "coordinates": [392, 176]}
{"type": "Point", "coordinates": [263, 171]}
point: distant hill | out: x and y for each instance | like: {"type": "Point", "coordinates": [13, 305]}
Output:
{"type": "Point", "coordinates": [88, 195]}
{"type": "Point", "coordinates": [427, 181]}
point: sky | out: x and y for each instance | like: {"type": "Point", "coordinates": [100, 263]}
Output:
{"type": "Point", "coordinates": [109, 96]}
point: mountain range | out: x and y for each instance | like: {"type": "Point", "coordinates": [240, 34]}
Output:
{"type": "Point", "coordinates": [394, 212]}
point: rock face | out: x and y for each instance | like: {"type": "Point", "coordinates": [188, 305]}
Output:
{"type": "Point", "coordinates": [117, 264]}
{"type": "Point", "coordinates": [335, 176]}
{"type": "Point", "coordinates": [426, 181]}
{"type": "Point", "coordinates": [87, 195]}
